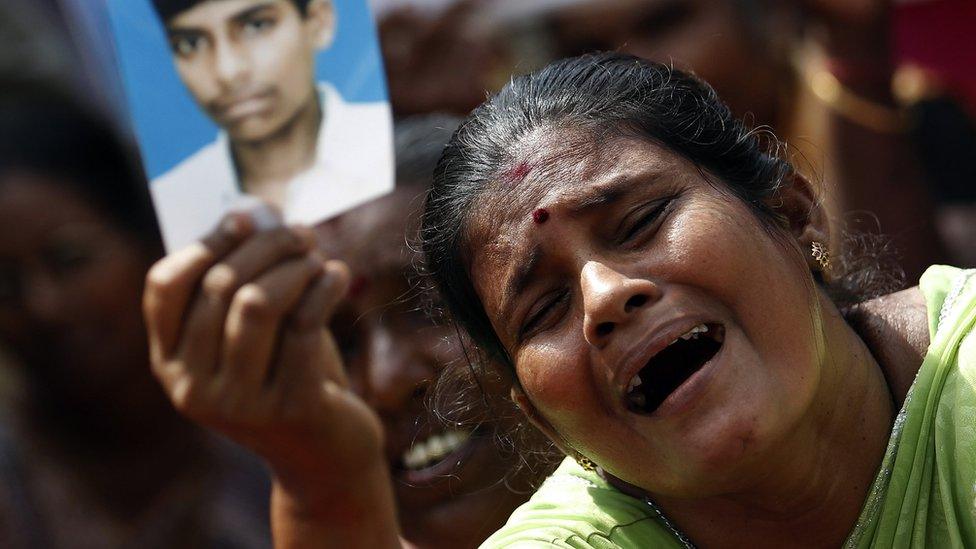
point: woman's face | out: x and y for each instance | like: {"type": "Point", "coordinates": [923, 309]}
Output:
{"type": "Point", "coordinates": [449, 485]}
{"type": "Point", "coordinates": [656, 326]}
{"type": "Point", "coordinates": [70, 291]}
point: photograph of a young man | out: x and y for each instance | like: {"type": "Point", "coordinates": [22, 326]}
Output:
{"type": "Point", "coordinates": [250, 65]}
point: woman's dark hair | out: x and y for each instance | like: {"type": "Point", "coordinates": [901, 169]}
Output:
{"type": "Point", "coordinates": [46, 131]}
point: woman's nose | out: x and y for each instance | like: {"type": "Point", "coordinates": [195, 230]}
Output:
{"type": "Point", "coordinates": [610, 299]}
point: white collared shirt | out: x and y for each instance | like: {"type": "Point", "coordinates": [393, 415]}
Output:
{"type": "Point", "coordinates": [353, 164]}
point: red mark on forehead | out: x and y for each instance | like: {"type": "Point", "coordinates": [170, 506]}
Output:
{"type": "Point", "coordinates": [540, 216]}
{"type": "Point", "coordinates": [517, 173]}
{"type": "Point", "coordinates": [358, 286]}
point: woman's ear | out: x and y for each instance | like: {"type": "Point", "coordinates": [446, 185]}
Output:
{"type": "Point", "coordinates": [542, 424]}
{"type": "Point", "coordinates": [803, 213]}
{"type": "Point", "coordinates": [320, 19]}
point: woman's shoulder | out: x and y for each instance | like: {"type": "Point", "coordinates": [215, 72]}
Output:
{"type": "Point", "coordinates": [577, 508]}
{"type": "Point", "coordinates": [895, 328]}
{"type": "Point", "coordinates": [899, 327]}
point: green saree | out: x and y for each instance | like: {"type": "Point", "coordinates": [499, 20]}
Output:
{"type": "Point", "coordinates": [923, 496]}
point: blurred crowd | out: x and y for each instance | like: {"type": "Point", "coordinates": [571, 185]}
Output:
{"type": "Point", "coordinates": [876, 101]}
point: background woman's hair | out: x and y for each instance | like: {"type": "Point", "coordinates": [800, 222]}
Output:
{"type": "Point", "coordinates": [46, 131]}
{"type": "Point", "coordinates": [603, 94]}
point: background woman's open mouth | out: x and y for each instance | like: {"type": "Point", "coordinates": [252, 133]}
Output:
{"type": "Point", "coordinates": [671, 367]}
{"type": "Point", "coordinates": [434, 457]}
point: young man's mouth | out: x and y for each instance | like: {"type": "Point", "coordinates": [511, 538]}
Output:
{"type": "Point", "coordinates": [240, 106]}
{"type": "Point", "coordinates": [673, 366]}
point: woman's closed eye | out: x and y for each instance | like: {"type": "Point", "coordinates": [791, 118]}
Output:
{"type": "Point", "coordinates": [640, 220]}
{"type": "Point", "coordinates": [545, 314]}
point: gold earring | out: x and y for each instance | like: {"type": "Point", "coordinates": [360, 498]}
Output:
{"type": "Point", "coordinates": [821, 255]}
{"type": "Point", "coordinates": [586, 463]}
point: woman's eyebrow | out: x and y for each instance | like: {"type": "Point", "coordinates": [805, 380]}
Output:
{"type": "Point", "coordinates": [604, 194]}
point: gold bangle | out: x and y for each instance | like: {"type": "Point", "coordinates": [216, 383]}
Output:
{"type": "Point", "coordinates": [859, 110]}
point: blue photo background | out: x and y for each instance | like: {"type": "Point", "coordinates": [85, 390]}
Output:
{"type": "Point", "coordinates": [169, 125]}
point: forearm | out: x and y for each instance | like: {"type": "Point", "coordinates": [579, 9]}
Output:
{"type": "Point", "coordinates": [360, 513]}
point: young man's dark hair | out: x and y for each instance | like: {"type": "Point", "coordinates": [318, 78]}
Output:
{"type": "Point", "coordinates": [167, 9]}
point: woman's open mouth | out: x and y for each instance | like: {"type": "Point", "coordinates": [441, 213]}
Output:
{"type": "Point", "coordinates": [672, 366]}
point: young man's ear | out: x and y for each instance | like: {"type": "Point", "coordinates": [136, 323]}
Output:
{"type": "Point", "coordinates": [539, 422]}
{"type": "Point", "coordinates": [320, 18]}
{"type": "Point", "coordinates": [803, 212]}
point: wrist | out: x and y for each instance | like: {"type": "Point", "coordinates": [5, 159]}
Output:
{"type": "Point", "coordinates": [323, 492]}
{"type": "Point", "coordinates": [353, 511]}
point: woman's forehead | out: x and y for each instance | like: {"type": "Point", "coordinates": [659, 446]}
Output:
{"type": "Point", "coordinates": [560, 168]}
{"type": "Point", "coordinates": [567, 182]}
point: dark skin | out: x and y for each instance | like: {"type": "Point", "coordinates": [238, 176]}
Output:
{"type": "Point", "coordinates": [393, 351]}
{"type": "Point", "coordinates": [286, 284]}
{"type": "Point", "coordinates": [276, 290]}
{"type": "Point", "coordinates": [730, 460]}
{"type": "Point", "coordinates": [71, 281]}
{"type": "Point", "coordinates": [238, 338]}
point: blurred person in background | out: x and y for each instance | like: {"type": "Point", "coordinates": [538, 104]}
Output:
{"type": "Point", "coordinates": [91, 452]}
{"type": "Point", "coordinates": [454, 485]}
{"type": "Point", "coordinates": [817, 72]}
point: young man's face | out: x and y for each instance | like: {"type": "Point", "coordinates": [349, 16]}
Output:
{"type": "Point", "coordinates": [250, 64]}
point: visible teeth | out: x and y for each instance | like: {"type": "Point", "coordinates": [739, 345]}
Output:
{"type": "Point", "coordinates": [637, 399]}
{"type": "Point", "coordinates": [634, 383]}
{"type": "Point", "coordinates": [424, 453]}
{"type": "Point", "coordinates": [693, 333]}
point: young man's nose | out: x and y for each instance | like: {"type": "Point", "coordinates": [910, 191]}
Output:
{"type": "Point", "coordinates": [611, 298]}
{"type": "Point", "coordinates": [230, 63]}
{"type": "Point", "coordinates": [398, 374]}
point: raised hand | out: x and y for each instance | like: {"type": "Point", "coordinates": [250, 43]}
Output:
{"type": "Point", "coordinates": [238, 339]}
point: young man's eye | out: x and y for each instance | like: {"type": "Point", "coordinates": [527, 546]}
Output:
{"type": "Point", "coordinates": [185, 46]}
{"type": "Point", "coordinates": [258, 26]}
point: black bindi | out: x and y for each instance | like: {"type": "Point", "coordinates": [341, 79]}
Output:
{"type": "Point", "coordinates": [540, 216]}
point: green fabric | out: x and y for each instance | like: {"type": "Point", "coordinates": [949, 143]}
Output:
{"type": "Point", "coordinates": [929, 497]}
{"type": "Point", "coordinates": [576, 508]}
{"type": "Point", "coordinates": [923, 496]}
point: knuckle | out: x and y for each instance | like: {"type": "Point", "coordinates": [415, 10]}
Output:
{"type": "Point", "coordinates": [185, 395]}
{"type": "Point", "coordinates": [254, 303]}
{"type": "Point", "coordinates": [220, 282]}
{"type": "Point", "coordinates": [160, 279]}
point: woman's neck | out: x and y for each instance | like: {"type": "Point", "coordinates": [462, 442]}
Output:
{"type": "Point", "coordinates": [808, 489]}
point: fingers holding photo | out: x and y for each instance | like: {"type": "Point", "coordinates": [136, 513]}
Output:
{"type": "Point", "coordinates": [172, 282]}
